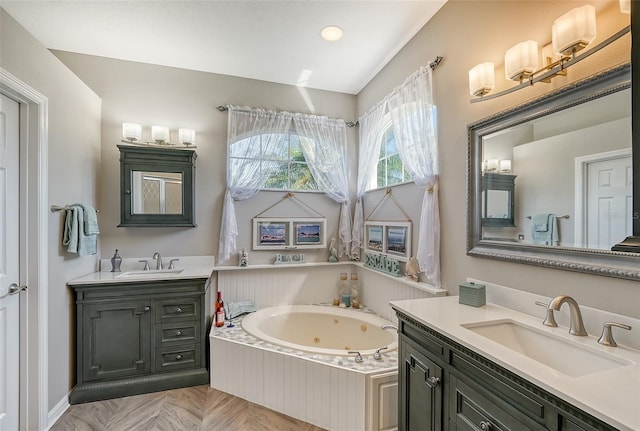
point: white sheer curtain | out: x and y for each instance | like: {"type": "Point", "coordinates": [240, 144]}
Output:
{"type": "Point", "coordinates": [413, 117]}
{"type": "Point", "coordinates": [371, 128]}
{"type": "Point", "coordinates": [252, 135]}
{"type": "Point", "coordinates": [324, 144]}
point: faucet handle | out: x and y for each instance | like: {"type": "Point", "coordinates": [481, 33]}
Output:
{"type": "Point", "coordinates": [377, 355]}
{"type": "Point", "coordinates": [606, 339]}
{"type": "Point", "coordinates": [146, 264]}
{"type": "Point", "coordinates": [550, 319]}
{"type": "Point", "coordinates": [358, 356]}
{"type": "Point", "coordinates": [171, 263]}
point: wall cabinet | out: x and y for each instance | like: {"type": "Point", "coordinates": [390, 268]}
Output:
{"type": "Point", "coordinates": [138, 337]}
{"type": "Point", "coordinates": [498, 196]}
{"type": "Point", "coordinates": [446, 386]}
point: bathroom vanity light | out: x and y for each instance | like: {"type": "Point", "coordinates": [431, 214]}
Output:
{"type": "Point", "coordinates": [505, 166]}
{"type": "Point", "coordinates": [160, 134]}
{"type": "Point", "coordinates": [571, 33]}
{"type": "Point", "coordinates": [131, 132]}
{"type": "Point", "coordinates": [186, 136]}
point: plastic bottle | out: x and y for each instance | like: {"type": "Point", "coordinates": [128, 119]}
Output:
{"type": "Point", "coordinates": [219, 311]}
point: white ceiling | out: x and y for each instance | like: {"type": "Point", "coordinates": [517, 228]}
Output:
{"type": "Point", "coordinates": [277, 41]}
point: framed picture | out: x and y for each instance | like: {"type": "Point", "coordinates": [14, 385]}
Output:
{"type": "Point", "coordinates": [288, 233]}
{"type": "Point", "coordinates": [390, 238]}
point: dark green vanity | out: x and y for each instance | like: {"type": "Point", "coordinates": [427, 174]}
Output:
{"type": "Point", "coordinates": [141, 336]}
{"type": "Point", "coordinates": [446, 386]}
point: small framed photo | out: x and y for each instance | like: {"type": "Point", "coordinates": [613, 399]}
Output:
{"type": "Point", "coordinates": [270, 234]}
{"type": "Point", "coordinates": [309, 233]}
{"type": "Point", "coordinates": [289, 233]}
{"type": "Point", "coordinates": [390, 238]}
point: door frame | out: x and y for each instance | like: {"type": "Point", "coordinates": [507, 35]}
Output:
{"type": "Point", "coordinates": [34, 386]}
{"type": "Point", "coordinates": [580, 205]}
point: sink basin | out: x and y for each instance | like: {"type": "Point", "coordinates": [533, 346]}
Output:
{"type": "Point", "coordinates": [151, 273]}
{"type": "Point", "coordinates": [567, 357]}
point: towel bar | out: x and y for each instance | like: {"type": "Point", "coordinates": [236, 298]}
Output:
{"type": "Point", "coordinates": [562, 216]}
{"type": "Point", "coordinates": [55, 208]}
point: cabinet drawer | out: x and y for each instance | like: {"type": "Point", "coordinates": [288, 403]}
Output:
{"type": "Point", "coordinates": [174, 333]}
{"type": "Point", "coordinates": [176, 310]}
{"type": "Point", "coordinates": [473, 409]}
{"type": "Point", "coordinates": [177, 358]}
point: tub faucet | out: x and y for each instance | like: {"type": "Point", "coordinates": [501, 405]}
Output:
{"type": "Point", "coordinates": [358, 357]}
{"type": "Point", "coordinates": [388, 326]}
{"type": "Point", "coordinates": [156, 256]}
{"type": "Point", "coordinates": [576, 327]}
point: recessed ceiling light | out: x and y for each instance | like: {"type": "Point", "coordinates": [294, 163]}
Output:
{"type": "Point", "coordinates": [331, 33]}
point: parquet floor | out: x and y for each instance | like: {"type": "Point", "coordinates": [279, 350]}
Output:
{"type": "Point", "coordinates": [198, 408]}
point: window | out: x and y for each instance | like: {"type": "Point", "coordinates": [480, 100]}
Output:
{"type": "Point", "coordinates": [284, 159]}
{"type": "Point", "coordinates": [390, 169]}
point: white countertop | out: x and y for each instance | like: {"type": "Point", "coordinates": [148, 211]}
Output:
{"type": "Point", "coordinates": [191, 266]}
{"type": "Point", "coordinates": [612, 395]}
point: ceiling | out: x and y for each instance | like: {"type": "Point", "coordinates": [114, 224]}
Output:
{"type": "Point", "coordinates": [277, 41]}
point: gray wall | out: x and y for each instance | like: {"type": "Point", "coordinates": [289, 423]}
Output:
{"type": "Point", "coordinates": [466, 33]}
{"type": "Point", "coordinates": [147, 94]}
{"type": "Point", "coordinates": [74, 160]}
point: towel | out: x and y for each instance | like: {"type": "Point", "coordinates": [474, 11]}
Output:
{"type": "Point", "coordinates": [544, 229]}
{"type": "Point", "coordinates": [90, 219]}
{"type": "Point", "coordinates": [74, 237]}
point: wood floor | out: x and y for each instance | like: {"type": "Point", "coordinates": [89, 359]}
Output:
{"type": "Point", "coordinates": [199, 408]}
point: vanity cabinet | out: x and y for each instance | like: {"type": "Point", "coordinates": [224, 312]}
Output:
{"type": "Point", "coordinates": [446, 386]}
{"type": "Point", "coordinates": [138, 337]}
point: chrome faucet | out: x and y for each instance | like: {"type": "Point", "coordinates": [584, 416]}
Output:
{"type": "Point", "coordinates": [576, 327]}
{"type": "Point", "coordinates": [156, 256]}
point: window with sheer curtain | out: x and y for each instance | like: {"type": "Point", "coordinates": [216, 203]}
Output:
{"type": "Point", "coordinates": [281, 150]}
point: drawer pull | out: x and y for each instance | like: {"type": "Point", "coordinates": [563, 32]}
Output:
{"type": "Point", "coordinates": [147, 308]}
{"type": "Point", "coordinates": [179, 310]}
{"type": "Point", "coordinates": [178, 357]}
{"type": "Point", "coordinates": [434, 381]}
{"type": "Point", "coordinates": [486, 426]}
{"type": "Point", "coordinates": [178, 333]}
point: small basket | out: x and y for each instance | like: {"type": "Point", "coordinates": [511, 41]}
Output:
{"type": "Point", "coordinates": [472, 294]}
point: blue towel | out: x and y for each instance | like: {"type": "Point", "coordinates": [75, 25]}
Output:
{"type": "Point", "coordinates": [90, 219]}
{"type": "Point", "coordinates": [74, 236]}
{"type": "Point", "coordinates": [544, 229]}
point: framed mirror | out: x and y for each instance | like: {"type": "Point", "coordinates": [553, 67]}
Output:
{"type": "Point", "coordinates": [157, 186]}
{"type": "Point", "coordinates": [571, 154]}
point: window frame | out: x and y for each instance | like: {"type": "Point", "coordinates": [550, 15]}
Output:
{"type": "Point", "coordinates": [373, 176]}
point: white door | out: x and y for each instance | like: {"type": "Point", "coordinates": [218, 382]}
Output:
{"type": "Point", "coordinates": [9, 265]}
{"type": "Point", "coordinates": [609, 202]}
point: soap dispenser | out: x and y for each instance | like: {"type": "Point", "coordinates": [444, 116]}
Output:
{"type": "Point", "coordinates": [116, 260]}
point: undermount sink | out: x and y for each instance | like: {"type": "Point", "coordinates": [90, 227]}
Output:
{"type": "Point", "coordinates": [150, 273]}
{"type": "Point", "coordinates": [559, 353]}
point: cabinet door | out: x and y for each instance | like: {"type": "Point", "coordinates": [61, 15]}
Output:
{"type": "Point", "coordinates": [420, 391]}
{"type": "Point", "coordinates": [116, 340]}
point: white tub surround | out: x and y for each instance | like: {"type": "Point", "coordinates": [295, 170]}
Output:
{"type": "Point", "coordinates": [332, 392]}
{"type": "Point", "coordinates": [131, 270]}
{"type": "Point", "coordinates": [611, 395]}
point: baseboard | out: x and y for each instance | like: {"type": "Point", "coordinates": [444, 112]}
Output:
{"type": "Point", "coordinates": [57, 411]}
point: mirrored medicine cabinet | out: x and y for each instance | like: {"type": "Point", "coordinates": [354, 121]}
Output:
{"type": "Point", "coordinates": [157, 186]}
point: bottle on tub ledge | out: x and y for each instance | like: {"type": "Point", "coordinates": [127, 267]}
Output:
{"type": "Point", "coordinates": [219, 311]}
{"type": "Point", "coordinates": [355, 301]}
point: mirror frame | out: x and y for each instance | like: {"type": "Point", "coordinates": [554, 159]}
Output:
{"type": "Point", "coordinates": [618, 264]}
{"type": "Point", "coordinates": [138, 158]}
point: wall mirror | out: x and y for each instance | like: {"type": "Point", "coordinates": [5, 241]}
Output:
{"type": "Point", "coordinates": [569, 154]}
{"type": "Point", "coordinates": [156, 186]}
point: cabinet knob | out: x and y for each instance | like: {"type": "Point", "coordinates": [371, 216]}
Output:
{"type": "Point", "coordinates": [486, 426]}
{"type": "Point", "coordinates": [179, 310]}
{"type": "Point", "coordinates": [147, 308]}
{"type": "Point", "coordinates": [178, 333]}
{"type": "Point", "coordinates": [433, 381]}
{"type": "Point", "coordinates": [178, 357]}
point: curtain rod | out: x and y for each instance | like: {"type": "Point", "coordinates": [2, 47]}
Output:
{"type": "Point", "coordinates": [223, 108]}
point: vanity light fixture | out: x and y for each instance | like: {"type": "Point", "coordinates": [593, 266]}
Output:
{"type": "Point", "coordinates": [482, 79]}
{"type": "Point", "coordinates": [331, 33]}
{"type": "Point", "coordinates": [505, 166]}
{"type": "Point", "coordinates": [160, 135]}
{"type": "Point", "coordinates": [131, 132]}
{"type": "Point", "coordinates": [571, 33]}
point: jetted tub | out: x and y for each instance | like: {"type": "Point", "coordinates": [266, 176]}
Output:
{"type": "Point", "coordinates": [324, 330]}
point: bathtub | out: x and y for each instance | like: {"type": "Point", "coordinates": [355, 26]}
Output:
{"type": "Point", "coordinates": [321, 329]}
{"type": "Point", "coordinates": [294, 359]}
